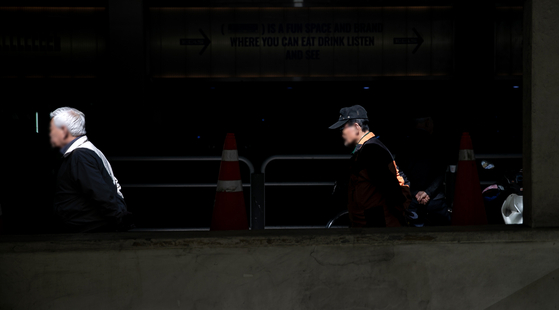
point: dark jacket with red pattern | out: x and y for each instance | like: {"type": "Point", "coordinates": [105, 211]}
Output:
{"type": "Point", "coordinates": [377, 193]}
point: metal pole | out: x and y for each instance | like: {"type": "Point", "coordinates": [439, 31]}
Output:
{"type": "Point", "coordinates": [257, 202]}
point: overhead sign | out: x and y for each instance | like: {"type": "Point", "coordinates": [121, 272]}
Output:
{"type": "Point", "coordinates": [51, 41]}
{"type": "Point", "coordinates": [301, 42]}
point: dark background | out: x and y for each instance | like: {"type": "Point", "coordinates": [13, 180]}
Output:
{"type": "Point", "coordinates": [142, 116]}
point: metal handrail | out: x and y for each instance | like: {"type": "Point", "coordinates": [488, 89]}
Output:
{"type": "Point", "coordinates": [301, 157]}
{"type": "Point", "coordinates": [334, 157]}
{"type": "Point", "coordinates": [208, 229]}
{"type": "Point", "coordinates": [499, 156]}
{"type": "Point", "coordinates": [299, 183]}
{"type": "Point", "coordinates": [263, 167]}
{"type": "Point", "coordinates": [262, 195]}
{"type": "Point", "coordinates": [185, 185]}
{"type": "Point", "coordinates": [343, 157]}
{"type": "Point", "coordinates": [180, 158]}
{"type": "Point", "coordinates": [177, 185]}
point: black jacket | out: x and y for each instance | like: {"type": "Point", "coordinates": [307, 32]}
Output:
{"type": "Point", "coordinates": [424, 163]}
{"type": "Point", "coordinates": [85, 196]}
{"type": "Point", "coordinates": [375, 182]}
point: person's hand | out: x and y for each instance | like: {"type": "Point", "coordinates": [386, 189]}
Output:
{"type": "Point", "coordinates": [422, 197]}
{"type": "Point", "coordinates": [419, 196]}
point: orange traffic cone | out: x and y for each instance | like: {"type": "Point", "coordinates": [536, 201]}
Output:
{"type": "Point", "coordinates": [468, 203]}
{"type": "Point", "coordinates": [229, 211]}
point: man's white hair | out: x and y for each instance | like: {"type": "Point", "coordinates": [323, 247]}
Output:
{"type": "Point", "coordinates": [72, 118]}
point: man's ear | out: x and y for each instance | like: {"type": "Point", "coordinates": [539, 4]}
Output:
{"type": "Point", "coordinates": [65, 131]}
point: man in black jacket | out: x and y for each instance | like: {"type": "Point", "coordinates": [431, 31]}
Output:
{"type": "Point", "coordinates": [87, 196]}
{"type": "Point", "coordinates": [425, 166]}
{"type": "Point", "coordinates": [378, 195]}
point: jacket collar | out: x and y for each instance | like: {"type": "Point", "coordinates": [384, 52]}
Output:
{"type": "Point", "coordinates": [77, 143]}
{"type": "Point", "coordinates": [368, 136]}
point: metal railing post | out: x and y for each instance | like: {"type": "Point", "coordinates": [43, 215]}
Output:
{"type": "Point", "coordinates": [257, 204]}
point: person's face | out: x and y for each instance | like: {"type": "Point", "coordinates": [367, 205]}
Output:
{"type": "Point", "coordinates": [57, 135]}
{"type": "Point", "coordinates": [350, 134]}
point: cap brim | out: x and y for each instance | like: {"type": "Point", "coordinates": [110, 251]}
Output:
{"type": "Point", "coordinates": [338, 124]}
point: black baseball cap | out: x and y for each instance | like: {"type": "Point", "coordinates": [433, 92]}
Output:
{"type": "Point", "coordinates": [347, 113]}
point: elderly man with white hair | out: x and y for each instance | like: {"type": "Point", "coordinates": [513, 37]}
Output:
{"type": "Point", "coordinates": [87, 196]}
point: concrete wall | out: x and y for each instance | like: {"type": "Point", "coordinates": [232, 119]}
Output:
{"type": "Point", "coordinates": [541, 111]}
{"type": "Point", "coordinates": [341, 269]}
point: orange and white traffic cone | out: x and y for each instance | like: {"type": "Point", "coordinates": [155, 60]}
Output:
{"type": "Point", "coordinates": [229, 211]}
{"type": "Point", "coordinates": [468, 203]}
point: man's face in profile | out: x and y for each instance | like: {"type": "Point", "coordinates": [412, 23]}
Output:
{"type": "Point", "coordinates": [349, 134]}
{"type": "Point", "coordinates": [57, 135]}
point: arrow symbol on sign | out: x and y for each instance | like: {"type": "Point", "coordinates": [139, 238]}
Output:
{"type": "Point", "coordinates": [205, 41]}
{"type": "Point", "coordinates": [418, 41]}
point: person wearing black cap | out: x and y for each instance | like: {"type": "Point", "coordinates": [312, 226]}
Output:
{"type": "Point", "coordinates": [378, 194]}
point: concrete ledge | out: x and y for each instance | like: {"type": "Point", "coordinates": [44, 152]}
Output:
{"type": "Point", "coordinates": [265, 238]}
{"type": "Point", "coordinates": [506, 267]}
